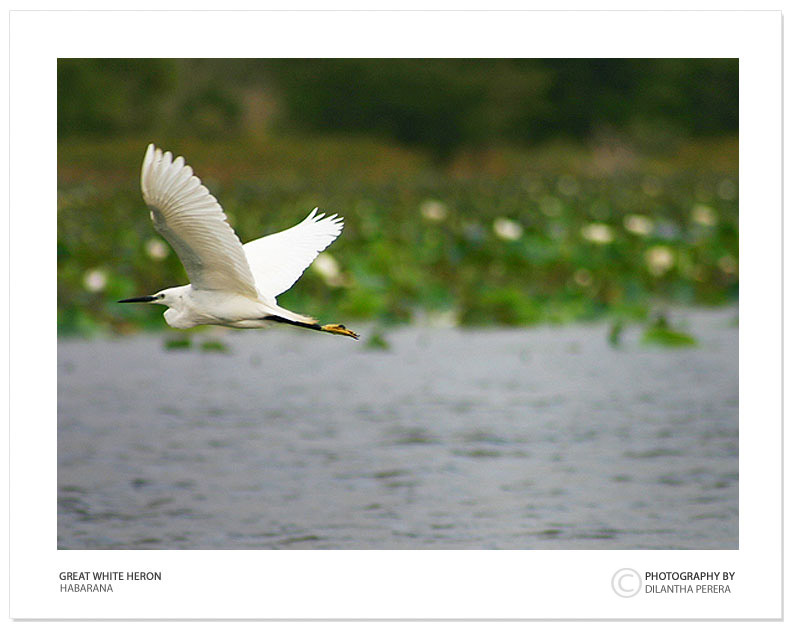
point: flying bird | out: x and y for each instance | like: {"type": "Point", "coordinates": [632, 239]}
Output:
{"type": "Point", "coordinates": [231, 284]}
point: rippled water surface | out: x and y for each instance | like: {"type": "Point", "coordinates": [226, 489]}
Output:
{"type": "Point", "coordinates": [543, 438]}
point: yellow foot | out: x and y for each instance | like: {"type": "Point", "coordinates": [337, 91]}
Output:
{"type": "Point", "coordinates": [339, 329]}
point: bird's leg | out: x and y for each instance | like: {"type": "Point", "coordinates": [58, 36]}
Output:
{"type": "Point", "coordinates": [334, 329]}
{"type": "Point", "coordinates": [339, 329]}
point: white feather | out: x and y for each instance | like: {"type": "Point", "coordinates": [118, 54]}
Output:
{"type": "Point", "coordinates": [192, 221]}
{"type": "Point", "coordinates": [278, 260]}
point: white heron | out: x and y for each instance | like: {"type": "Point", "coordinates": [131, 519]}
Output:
{"type": "Point", "coordinates": [231, 284]}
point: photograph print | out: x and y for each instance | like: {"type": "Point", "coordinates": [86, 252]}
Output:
{"type": "Point", "coordinates": [397, 304]}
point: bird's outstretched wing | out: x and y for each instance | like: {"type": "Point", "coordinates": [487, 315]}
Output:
{"type": "Point", "coordinates": [278, 260]}
{"type": "Point", "coordinates": [193, 222]}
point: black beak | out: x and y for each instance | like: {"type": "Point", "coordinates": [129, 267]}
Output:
{"type": "Point", "coordinates": [145, 298]}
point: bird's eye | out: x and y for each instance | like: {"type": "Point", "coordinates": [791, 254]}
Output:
{"type": "Point", "coordinates": [161, 296]}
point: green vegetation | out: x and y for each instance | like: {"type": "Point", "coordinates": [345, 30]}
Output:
{"type": "Point", "coordinates": [441, 105]}
{"type": "Point", "coordinates": [376, 341]}
{"type": "Point", "coordinates": [475, 192]}
{"type": "Point", "coordinates": [615, 333]}
{"type": "Point", "coordinates": [557, 234]}
{"type": "Point", "coordinates": [214, 345]}
{"type": "Point", "coordinates": [660, 333]}
{"type": "Point", "coordinates": [182, 342]}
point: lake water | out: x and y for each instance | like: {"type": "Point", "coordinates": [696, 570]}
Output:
{"type": "Point", "coordinates": [539, 438]}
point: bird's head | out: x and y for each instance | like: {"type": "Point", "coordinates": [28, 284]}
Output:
{"type": "Point", "coordinates": [166, 297]}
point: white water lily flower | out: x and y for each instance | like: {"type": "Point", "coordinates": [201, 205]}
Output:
{"type": "Point", "coordinates": [638, 224]}
{"type": "Point", "coordinates": [507, 229]}
{"type": "Point", "coordinates": [433, 210]}
{"type": "Point", "coordinates": [704, 215]}
{"type": "Point", "coordinates": [156, 249]}
{"type": "Point", "coordinates": [95, 280]}
{"type": "Point", "coordinates": [599, 233]}
{"type": "Point", "coordinates": [326, 266]}
{"type": "Point", "coordinates": [660, 259]}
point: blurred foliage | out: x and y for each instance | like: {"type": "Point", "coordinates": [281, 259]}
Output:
{"type": "Point", "coordinates": [214, 345]}
{"type": "Point", "coordinates": [376, 340]}
{"type": "Point", "coordinates": [441, 105]}
{"type": "Point", "coordinates": [112, 96]}
{"type": "Point", "coordinates": [660, 333]}
{"type": "Point", "coordinates": [506, 191]}
{"type": "Point", "coordinates": [181, 342]}
{"type": "Point", "coordinates": [559, 233]}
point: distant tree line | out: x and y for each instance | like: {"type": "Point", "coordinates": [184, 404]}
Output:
{"type": "Point", "coordinates": [441, 104]}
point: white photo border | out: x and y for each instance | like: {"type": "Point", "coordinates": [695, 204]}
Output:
{"type": "Point", "coordinates": [387, 584]}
